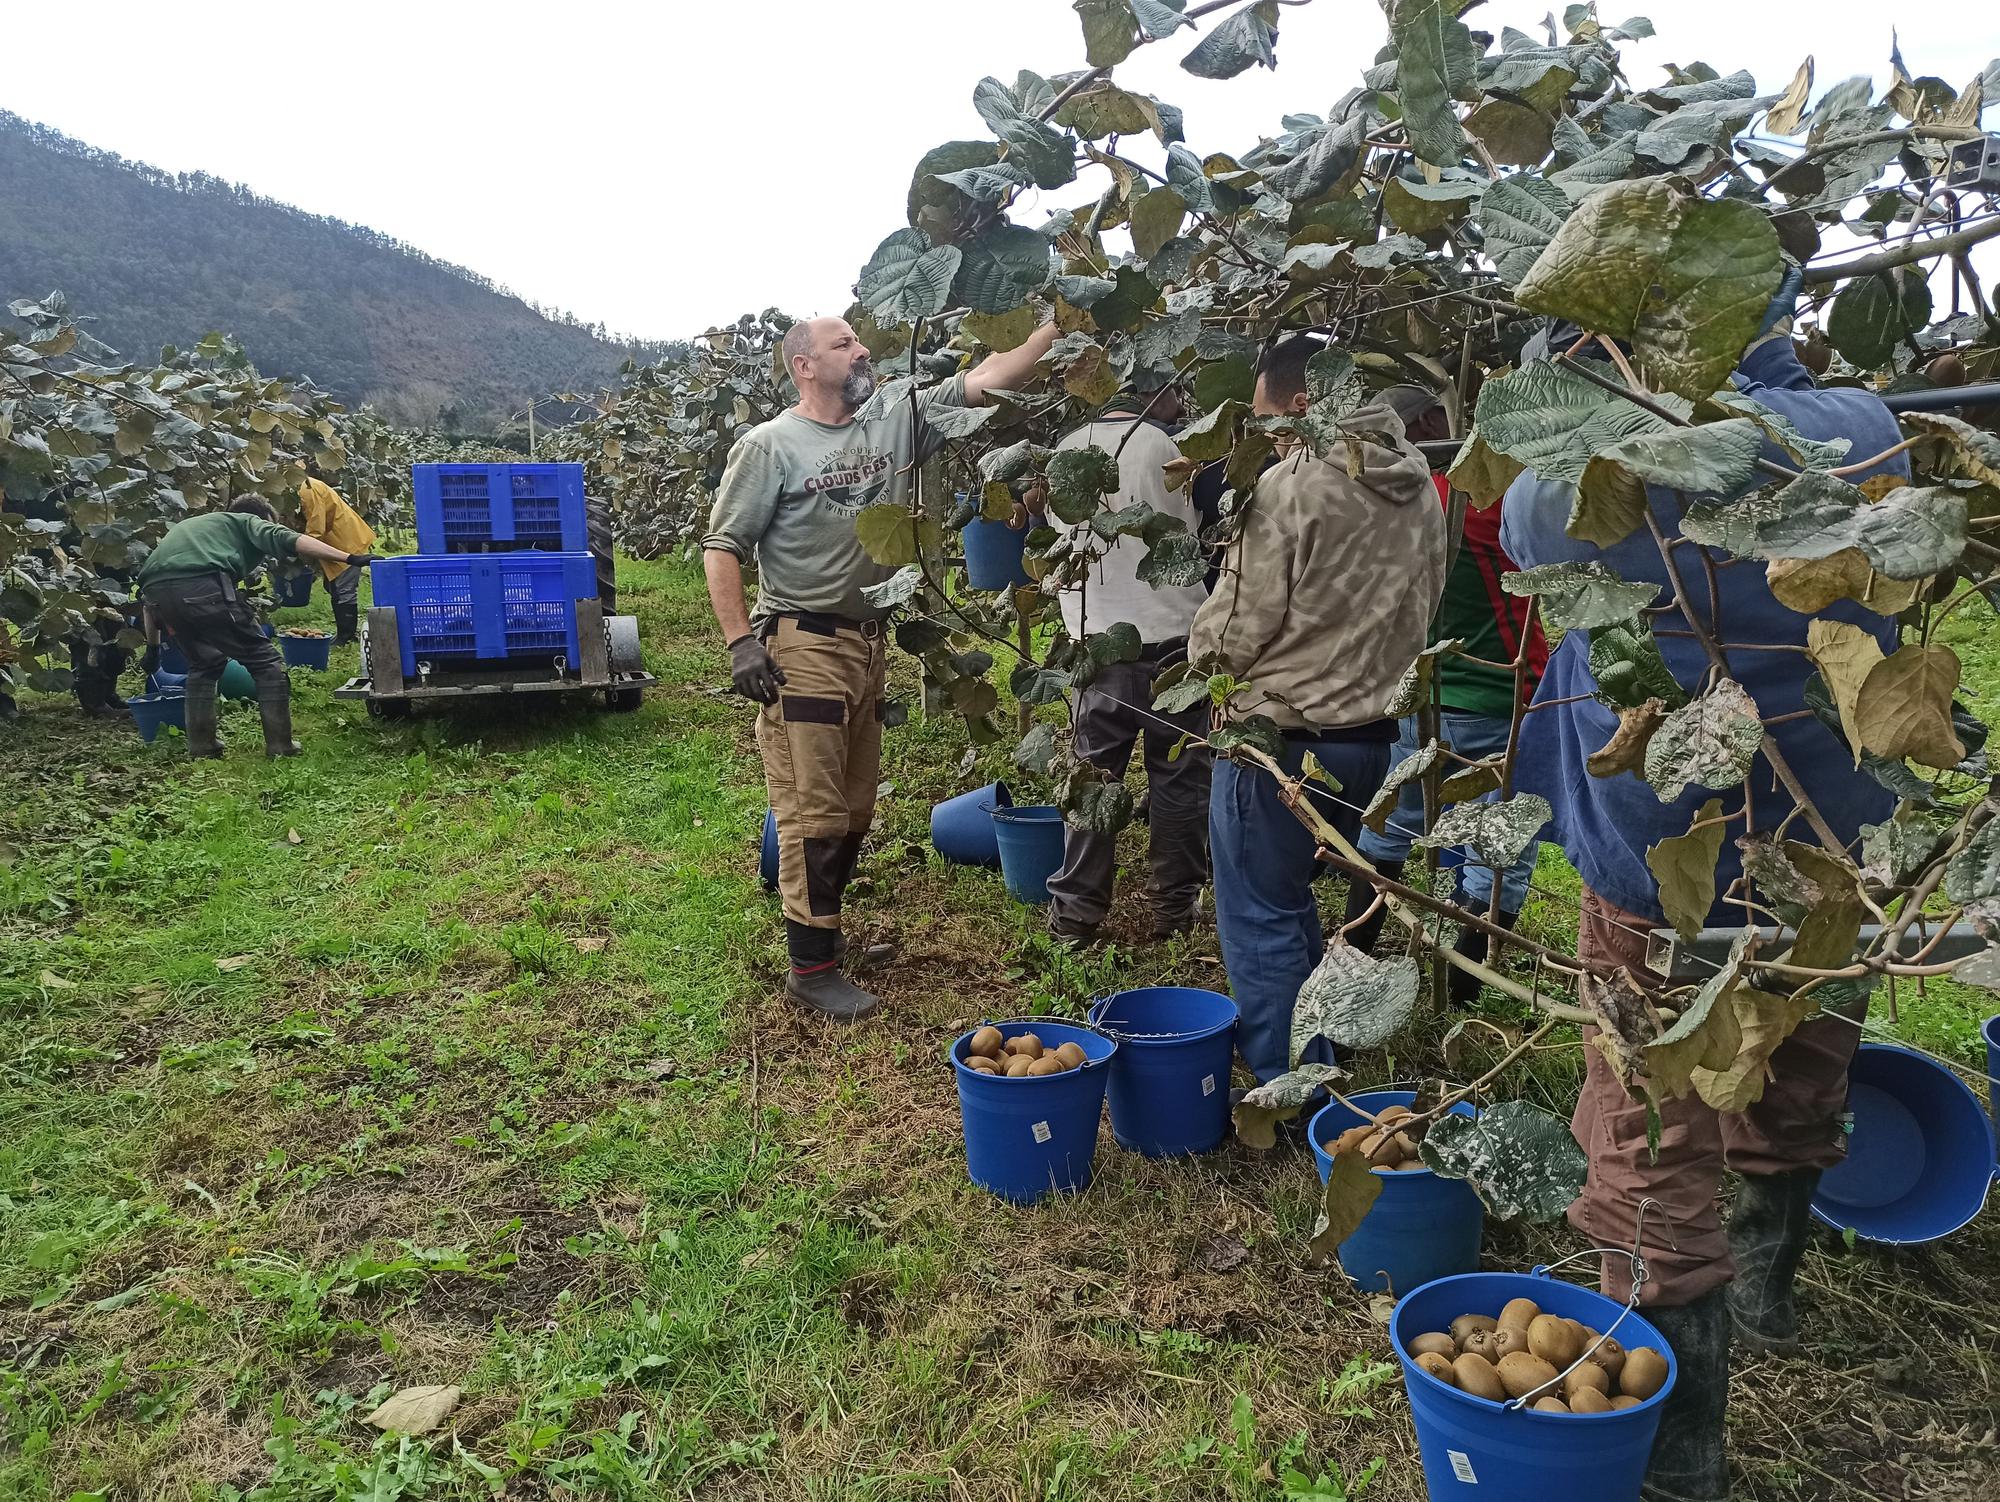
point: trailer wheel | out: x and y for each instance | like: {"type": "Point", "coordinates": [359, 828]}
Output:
{"type": "Point", "coordinates": [597, 522]}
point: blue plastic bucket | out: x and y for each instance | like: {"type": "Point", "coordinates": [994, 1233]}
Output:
{"type": "Point", "coordinates": [172, 659]}
{"type": "Point", "coordinates": [293, 590]}
{"type": "Point", "coordinates": [962, 827]}
{"type": "Point", "coordinates": [1990, 1031]}
{"type": "Point", "coordinates": [1025, 1138]}
{"type": "Point", "coordinates": [993, 554]}
{"type": "Point", "coordinates": [1170, 1082]}
{"type": "Point", "coordinates": [767, 859]}
{"type": "Point", "coordinates": [1920, 1154]}
{"type": "Point", "coordinates": [313, 652]}
{"type": "Point", "coordinates": [151, 711]}
{"type": "Point", "coordinates": [1480, 1451]}
{"type": "Point", "coordinates": [1421, 1227]}
{"type": "Point", "coordinates": [1030, 837]}
{"type": "Point", "coordinates": [165, 682]}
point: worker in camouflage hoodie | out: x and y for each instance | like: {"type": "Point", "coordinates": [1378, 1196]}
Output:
{"type": "Point", "coordinates": [1324, 599]}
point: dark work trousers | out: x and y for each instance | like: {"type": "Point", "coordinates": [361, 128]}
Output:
{"type": "Point", "coordinates": [94, 671]}
{"type": "Point", "coordinates": [1115, 715]}
{"type": "Point", "coordinates": [212, 624]}
{"type": "Point", "coordinates": [344, 589]}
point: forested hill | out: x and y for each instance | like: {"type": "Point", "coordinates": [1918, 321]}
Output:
{"type": "Point", "coordinates": [155, 258]}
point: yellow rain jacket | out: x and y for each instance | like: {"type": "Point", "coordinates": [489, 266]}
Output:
{"type": "Point", "coordinates": [334, 523]}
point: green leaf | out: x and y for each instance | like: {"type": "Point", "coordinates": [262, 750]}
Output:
{"type": "Point", "coordinates": [957, 422]}
{"type": "Point", "coordinates": [1496, 833]}
{"type": "Point", "coordinates": [1629, 670]}
{"type": "Point", "coordinates": [1353, 999]}
{"type": "Point", "coordinates": [985, 184]}
{"type": "Point", "coordinates": [1097, 805]}
{"type": "Point", "coordinates": [1001, 269]}
{"type": "Point", "coordinates": [1156, 218]}
{"type": "Point", "coordinates": [1580, 596]}
{"type": "Point", "coordinates": [1008, 330]}
{"type": "Point", "coordinates": [908, 278]}
{"type": "Point", "coordinates": [1182, 695]}
{"type": "Point", "coordinates": [1684, 867]}
{"type": "Point", "coordinates": [1036, 750]}
{"type": "Point", "coordinates": [1231, 380]}
{"type": "Point", "coordinates": [1553, 421]}
{"type": "Point", "coordinates": [1078, 481]}
{"type": "Point", "coordinates": [1712, 458]}
{"type": "Point", "coordinates": [1520, 215]}
{"type": "Point", "coordinates": [1911, 533]}
{"type": "Point", "coordinates": [1160, 19]}
{"type": "Point", "coordinates": [1704, 1032]}
{"type": "Point", "coordinates": [1352, 1187]}
{"type": "Point", "coordinates": [1874, 314]}
{"type": "Point", "coordinates": [1520, 1160]}
{"type": "Point", "coordinates": [1187, 177]}
{"type": "Point", "coordinates": [1383, 804]}
{"type": "Point", "coordinates": [1435, 55]}
{"type": "Point", "coordinates": [1896, 850]}
{"type": "Point", "coordinates": [1109, 31]}
{"type": "Point", "coordinates": [1105, 109]}
{"type": "Point", "coordinates": [1710, 741]}
{"type": "Point", "coordinates": [1176, 561]}
{"type": "Point", "coordinates": [888, 533]}
{"type": "Point", "coordinates": [1034, 684]}
{"type": "Point", "coordinates": [1686, 279]}
{"type": "Point", "coordinates": [1247, 39]}
{"type": "Point", "coordinates": [1279, 1099]}
{"type": "Point", "coordinates": [1903, 711]}
{"type": "Point", "coordinates": [898, 589]}
{"type": "Point", "coordinates": [1421, 207]}
{"type": "Point", "coordinates": [1483, 475]}
{"type": "Point", "coordinates": [1321, 163]}
{"type": "Point", "coordinates": [1211, 436]}
{"type": "Point", "coordinates": [1973, 875]}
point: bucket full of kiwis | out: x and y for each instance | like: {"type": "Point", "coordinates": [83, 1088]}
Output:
{"type": "Point", "coordinates": [1525, 1388]}
{"type": "Point", "coordinates": [1030, 1096]}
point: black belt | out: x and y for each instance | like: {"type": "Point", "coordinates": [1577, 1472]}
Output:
{"type": "Point", "coordinates": [1369, 730]}
{"type": "Point", "coordinates": [181, 584]}
{"type": "Point", "coordinates": [820, 624]}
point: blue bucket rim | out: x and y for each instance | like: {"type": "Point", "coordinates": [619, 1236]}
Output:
{"type": "Point", "coordinates": [1463, 1108]}
{"type": "Point", "coordinates": [1025, 813]}
{"type": "Point", "coordinates": [1990, 1030]}
{"type": "Point", "coordinates": [1826, 1218]}
{"type": "Point", "coordinates": [1411, 1371]}
{"type": "Point", "coordinates": [955, 1051]}
{"type": "Point", "coordinates": [155, 697]}
{"type": "Point", "coordinates": [1095, 1014]}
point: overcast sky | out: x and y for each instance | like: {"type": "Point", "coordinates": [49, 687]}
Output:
{"type": "Point", "coordinates": [662, 166]}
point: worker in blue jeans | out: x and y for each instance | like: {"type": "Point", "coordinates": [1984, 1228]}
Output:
{"type": "Point", "coordinates": [1323, 601]}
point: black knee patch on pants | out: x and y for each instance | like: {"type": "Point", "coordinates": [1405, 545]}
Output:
{"type": "Point", "coordinates": [850, 857]}
{"type": "Point", "coordinates": [825, 863]}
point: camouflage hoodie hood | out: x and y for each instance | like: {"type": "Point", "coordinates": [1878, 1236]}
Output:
{"type": "Point", "coordinates": [1327, 592]}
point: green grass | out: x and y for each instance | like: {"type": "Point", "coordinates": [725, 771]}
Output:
{"type": "Point", "coordinates": [452, 1052]}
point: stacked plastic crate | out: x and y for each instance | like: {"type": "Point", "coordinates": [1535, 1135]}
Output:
{"type": "Point", "coordinates": [503, 555]}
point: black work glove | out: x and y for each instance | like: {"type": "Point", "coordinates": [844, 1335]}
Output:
{"type": "Point", "coordinates": [360, 560]}
{"type": "Point", "coordinates": [150, 663]}
{"type": "Point", "coordinates": [752, 672]}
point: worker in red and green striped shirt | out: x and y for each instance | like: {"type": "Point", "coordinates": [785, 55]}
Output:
{"type": "Point", "coordinates": [1478, 706]}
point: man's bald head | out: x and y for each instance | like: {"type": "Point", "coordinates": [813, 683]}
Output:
{"type": "Point", "coordinates": [829, 364]}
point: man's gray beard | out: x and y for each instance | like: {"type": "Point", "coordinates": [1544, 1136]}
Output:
{"type": "Point", "coordinates": [857, 388]}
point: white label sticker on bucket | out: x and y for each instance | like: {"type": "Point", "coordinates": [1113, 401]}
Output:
{"type": "Point", "coordinates": [1208, 1084]}
{"type": "Point", "coordinates": [1461, 1467]}
{"type": "Point", "coordinates": [1041, 1131]}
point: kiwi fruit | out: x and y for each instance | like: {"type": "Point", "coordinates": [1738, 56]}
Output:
{"type": "Point", "coordinates": [1519, 1314]}
{"type": "Point", "coordinates": [1608, 1354]}
{"type": "Point", "coordinates": [985, 1043]}
{"type": "Point", "coordinates": [1380, 1150]}
{"type": "Point", "coordinates": [983, 1064]}
{"type": "Point", "coordinates": [1408, 1165]}
{"type": "Point", "coordinates": [1046, 1064]}
{"type": "Point", "coordinates": [1434, 1340]}
{"type": "Point", "coordinates": [1507, 1340]}
{"type": "Point", "coordinates": [1476, 1375]}
{"type": "Point", "coordinates": [1349, 1140]}
{"type": "Point", "coordinates": [1524, 1375]}
{"type": "Point", "coordinates": [1465, 1324]}
{"type": "Point", "coordinates": [1388, 1115]}
{"type": "Point", "coordinates": [1024, 1043]}
{"type": "Point", "coordinates": [1072, 1055]}
{"type": "Point", "coordinates": [1438, 1366]}
{"type": "Point", "coordinates": [1551, 1405]}
{"type": "Point", "coordinates": [1479, 1343]}
{"type": "Point", "coordinates": [1552, 1340]}
{"type": "Point", "coordinates": [1947, 369]}
{"type": "Point", "coordinates": [1645, 1373]}
{"type": "Point", "coordinates": [1018, 1065]}
{"type": "Point", "coordinates": [1623, 1402]}
{"type": "Point", "coordinates": [1586, 1378]}
{"type": "Point", "coordinates": [1406, 1146]}
{"type": "Point", "coordinates": [1589, 1400]}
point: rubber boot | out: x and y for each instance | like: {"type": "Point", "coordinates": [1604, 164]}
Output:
{"type": "Point", "coordinates": [346, 622]}
{"type": "Point", "coordinates": [1359, 896]}
{"type": "Point", "coordinates": [1688, 1462]}
{"type": "Point", "coordinates": [867, 957]}
{"type": "Point", "coordinates": [1767, 1237]}
{"type": "Point", "coordinates": [814, 980]}
{"type": "Point", "coordinates": [276, 713]}
{"type": "Point", "coordinates": [202, 742]}
{"type": "Point", "coordinates": [1462, 987]}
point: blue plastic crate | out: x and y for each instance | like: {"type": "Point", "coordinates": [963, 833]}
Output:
{"type": "Point", "coordinates": [466, 607]}
{"type": "Point", "coordinates": [479, 508]}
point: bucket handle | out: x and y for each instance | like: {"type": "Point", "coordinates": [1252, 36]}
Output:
{"type": "Point", "coordinates": [1636, 1255]}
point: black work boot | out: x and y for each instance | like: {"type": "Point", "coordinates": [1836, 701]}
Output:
{"type": "Point", "coordinates": [1462, 986]}
{"type": "Point", "coordinates": [865, 958]}
{"type": "Point", "coordinates": [202, 741]}
{"type": "Point", "coordinates": [814, 980]}
{"type": "Point", "coordinates": [1767, 1237]}
{"type": "Point", "coordinates": [346, 622]}
{"type": "Point", "coordinates": [1359, 896]}
{"type": "Point", "coordinates": [276, 713]}
{"type": "Point", "coordinates": [1688, 1462]}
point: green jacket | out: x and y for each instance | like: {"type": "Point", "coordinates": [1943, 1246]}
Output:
{"type": "Point", "coordinates": [217, 542]}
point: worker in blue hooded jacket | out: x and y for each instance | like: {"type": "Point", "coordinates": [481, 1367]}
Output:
{"type": "Point", "coordinates": [1782, 1143]}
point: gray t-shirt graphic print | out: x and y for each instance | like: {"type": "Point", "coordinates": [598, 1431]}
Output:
{"type": "Point", "coordinates": [791, 491]}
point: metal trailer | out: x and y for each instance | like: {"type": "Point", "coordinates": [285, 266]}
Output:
{"type": "Point", "coordinates": [610, 667]}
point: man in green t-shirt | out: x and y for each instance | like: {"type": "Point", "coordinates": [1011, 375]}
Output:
{"type": "Point", "coordinates": [812, 653]}
{"type": "Point", "coordinates": [189, 585]}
